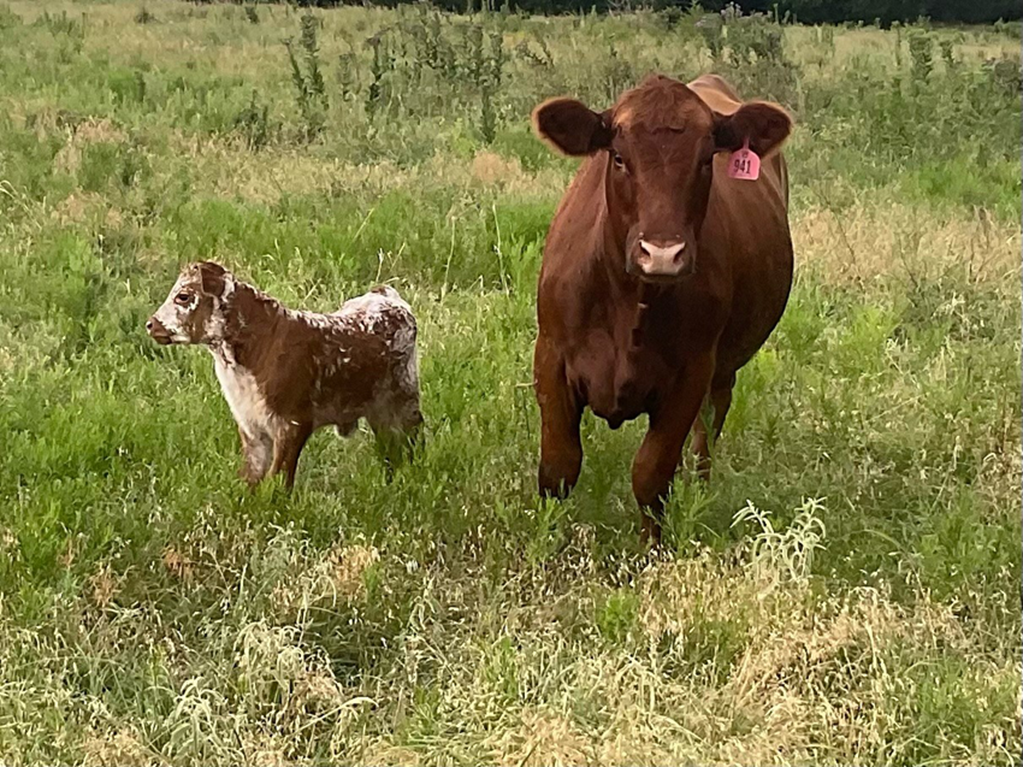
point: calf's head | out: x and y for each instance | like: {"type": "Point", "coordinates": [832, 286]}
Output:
{"type": "Point", "coordinates": [658, 143]}
{"type": "Point", "coordinates": [193, 311]}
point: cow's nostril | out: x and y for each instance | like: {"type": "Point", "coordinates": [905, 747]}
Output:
{"type": "Point", "coordinates": [149, 324]}
{"type": "Point", "coordinates": [662, 251]}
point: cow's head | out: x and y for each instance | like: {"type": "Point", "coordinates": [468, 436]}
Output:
{"type": "Point", "coordinates": [659, 143]}
{"type": "Point", "coordinates": [193, 311]}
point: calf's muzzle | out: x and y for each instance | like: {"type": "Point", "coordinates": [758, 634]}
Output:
{"type": "Point", "coordinates": [157, 331]}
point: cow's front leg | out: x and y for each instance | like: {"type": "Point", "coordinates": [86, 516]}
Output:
{"type": "Point", "coordinates": [654, 466]}
{"type": "Point", "coordinates": [561, 450]}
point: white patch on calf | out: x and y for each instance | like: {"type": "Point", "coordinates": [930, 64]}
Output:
{"type": "Point", "coordinates": [174, 317]}
{"type": "Point", "coordinates": [367, 310]}
{"type": "Point", "coordinates": [243, 395]}
{"type": "Point", "coordinates": [215, 325]}
{"type": "Point", "coordinates": [366, 313]}
{"type": "Point", "coordinates": [228, 286]}
{"type": "Point", "coordinates": [213, 328]}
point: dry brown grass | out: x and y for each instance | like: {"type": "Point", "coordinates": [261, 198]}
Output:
{"type": "Point", "coordinates": [337, 575]}
{"type": "Point", "coordinates": [542, 738]}
{"type": "Point", "coordinates": [888, 237]}
{"type": "Point", "coordinates": [116, 748]}
{"type": "Point", "coordinates": [265, 177]}
{"type": "Point", "coordinates": [812, 674]}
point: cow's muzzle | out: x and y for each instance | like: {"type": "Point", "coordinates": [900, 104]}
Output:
{"type": "Point", "coordinates": [658, 259]}
{"type": "Point", "coordinates": [157, 331]}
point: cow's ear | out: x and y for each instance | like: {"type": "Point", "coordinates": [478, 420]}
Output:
{"type": "Point", "coordinates": [571, 127]}
{"type": "Point", "coordinates": [764, 125]}
{"type": "Point", "coordinates": [213, 278]}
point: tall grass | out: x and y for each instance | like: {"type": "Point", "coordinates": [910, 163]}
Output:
{"type": "Point", "coordinates": [845, 592]}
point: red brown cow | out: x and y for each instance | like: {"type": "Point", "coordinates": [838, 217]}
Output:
{"type": "Point", "coordinates": [661, 276]}
{"type": "Point", "coordinates": [285, 373]}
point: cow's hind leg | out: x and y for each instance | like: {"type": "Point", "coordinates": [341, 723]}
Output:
{"type": "Point", "coordinates": [654, 466]}
{"type": "Point", "coordinates": [718, 402]}
{"type": "Point", "coordinates": [561, 450]}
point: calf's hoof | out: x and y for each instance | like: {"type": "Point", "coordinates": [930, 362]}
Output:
{"type": "Point", "coordinates": [246, 476]}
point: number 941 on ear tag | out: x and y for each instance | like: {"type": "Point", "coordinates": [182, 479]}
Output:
{"type": "Point", "coordinates": [744, 163]}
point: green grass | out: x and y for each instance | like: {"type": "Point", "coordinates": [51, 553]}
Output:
{"type": "Point", "coordinates": [845, 592]}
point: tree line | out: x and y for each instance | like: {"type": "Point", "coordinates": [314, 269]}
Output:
{"type": "Point", "coordinates": [798, 11]}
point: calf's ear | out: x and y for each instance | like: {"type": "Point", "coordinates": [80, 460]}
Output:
{"type": "Point", "coordinates": [571, 127]}
{"type": "Point", "coordinates": [763, 124]}
{"type": "Point", "coordinates": [213, 277]}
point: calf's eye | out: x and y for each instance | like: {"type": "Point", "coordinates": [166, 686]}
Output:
{"type": "Point", "coordinates": [618, 161]}
{"type": "Point", "coordinates": [182, 298]}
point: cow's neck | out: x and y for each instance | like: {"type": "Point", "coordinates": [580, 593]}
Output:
{"type": "Point", "coordinates": [251, 315]}
{"type": "Point", "coordinates": [647, 294]}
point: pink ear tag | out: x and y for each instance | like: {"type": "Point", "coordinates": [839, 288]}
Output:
{"type": "Point", "coordinates": [744, 163]}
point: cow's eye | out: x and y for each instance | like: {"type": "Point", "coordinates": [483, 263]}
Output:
{"type": "Point", "coordinates": [618, 161]}
{"type": "Point", "coordinates": [182, 298]}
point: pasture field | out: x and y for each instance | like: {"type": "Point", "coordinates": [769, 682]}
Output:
{"type": "Point", "coordinates": [845, 592]}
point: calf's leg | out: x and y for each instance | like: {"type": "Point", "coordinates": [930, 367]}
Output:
{"type": "Point", "coordinates": [654, 466]}
{"type": "Point", "coordinates": [414, 436]}
{"type": "Point", "coordinates": [561, 450]}
{"type": "Point", "coordinates": [391, 448]}
{"type": "Point", "coordinates": [398, 430]}
{"type": "Point", "coordinates": [288, 445]}
{"type": "Point", "coordinates": [410, 424]}
{"type": "Point", "coordinates": [256, 452]}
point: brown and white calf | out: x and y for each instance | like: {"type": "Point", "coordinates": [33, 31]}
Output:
{"type": "Point", "coordinates": [286, 373]}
